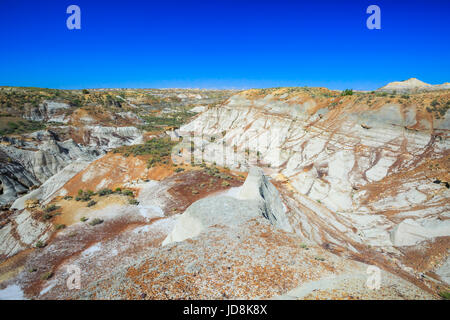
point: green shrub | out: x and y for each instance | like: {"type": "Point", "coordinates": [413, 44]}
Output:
{"type": "Point", "coordinates": [128, 193]}
{"type": "Point", "coordinates": [20, 126]}
{"type": "Point", "coordinates": [84, 196]}
{"type": "Point", "coordinates": [91, 203]}
{"type": "Point", "coordinates": [47, 275]}
{"type": "Point", "coordinates": [51, 208]}
{"type": "Point", "coordinates": [177, 170]}
{"type": "Point", "coordinates": [133, 202]}
{"type": "Point", "coordinates": [96, 221]}
{"type": "Point", "coordinates": [347, 92]}
{"type": "Point", "coordinates": [40, 244]}
{"type": "Point", "coordinates": [445, 295]}
{"type": "Point", "coordinates": [68, 198]}
{"type": "Point", "coordinates": [319, 258]}
{"type": "Point", "coordinates": [59, 226]}
{"type": "Point", "coordinates": [104, 192]}
{"type": "Point", "coordinates": [84, 219]}
{"type": "Point", "coordinates": [47, 216]}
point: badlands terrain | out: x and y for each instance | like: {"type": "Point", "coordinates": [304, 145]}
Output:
{"type": "Point", "coordinates": [280, 193]}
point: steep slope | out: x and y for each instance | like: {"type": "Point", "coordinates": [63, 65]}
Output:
{"type": "Point", "coordinates": [227, 247]}
{"type": "Point", "coordinates": [353, 170]}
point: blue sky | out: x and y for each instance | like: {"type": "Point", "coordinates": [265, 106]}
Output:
{"type": "Point", "coordinates": [223, 44]}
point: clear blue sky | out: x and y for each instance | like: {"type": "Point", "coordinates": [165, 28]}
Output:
{"type": "Point", "coordinates": [223, 43]}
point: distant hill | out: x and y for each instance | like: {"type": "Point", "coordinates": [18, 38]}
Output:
{"type": "Point", "coordinates": [412, 85]}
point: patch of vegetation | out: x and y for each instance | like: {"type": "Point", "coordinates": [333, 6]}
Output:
{"type": "Point", "coordinates": [133, 202]}
{"type": "Point", "coordinates": [68, 198]}
{"type": "Point", "coordinates": [13, 125]}
{"type": "Point", "coordinates": [438, 109]}
{"type": "Point", "coordinates": [319, 259]}
{"type": "Point", "coordinates": [214, 172]}
{"type": "Point", "coordinates": [84, 195]}
{"type": "Point", "coordinates": [166, 121]}
{"type": "Point", "coordinates": [92, 203]}
{"type": "Point", "coordinates": [128, 193]}
{"type": "Point", "coordinates": [84, 219]}
{"type": "Point", "coordinates": [332, 105]}
{"type": "Point", "coordinates": [40, 244]}
{"type": "Point", "coordinates": [105, 192]}
{"type": "Point", "coordinates": [51, 208]}
{"type": "Point", "coordinates": [47, 275]}
{"type": "Point", "coordinates": [347, 92]}
{"type": "Point", "coordinates": [59, 226]}
{"type": "Point", "coordinates": [177, 170]}
{"type": "Point", "coordinates": [445, 295]}
{"type": "Point", "coordinates": [159, 150]}
{"type": "Point", "coordinates": [96, 221]}
{"type": "Point", "coordinates": [47, 216]}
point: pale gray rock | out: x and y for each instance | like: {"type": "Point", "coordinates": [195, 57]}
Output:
{"type": "Point", "coordinates": [48, 111]}
{"type": "Point", "coordinates": [23, 232]}
{"type": "Point", "coordinates": [258, 188]}
{"type": "Point", "coordinates": [410, 232]}
{"type": "Point", "coordinates": [257, 197]}
{"type": "Point", "coordinates": [444, 271]}
{"type": "Point", "coordinates": [112, 137]}
{"type": "Point", "coordinates": [29, 164]}
{"type": "Point", "coordinates": [48, 190]}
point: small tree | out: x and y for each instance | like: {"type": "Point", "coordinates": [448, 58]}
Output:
{"type": "Point", "coordinates": [347, 92]}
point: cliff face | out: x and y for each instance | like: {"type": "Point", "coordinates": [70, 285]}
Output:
{"type": "Point", "coordinates": [30, 162]}
{"type": "Point", "coordinates": [352, 170]}
{"type": "Point", "coordinates": [257, 197]}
